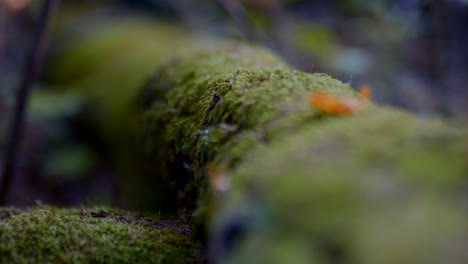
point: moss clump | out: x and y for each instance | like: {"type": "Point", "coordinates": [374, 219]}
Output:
{"type": "Point", "coordinates": [51, 235]}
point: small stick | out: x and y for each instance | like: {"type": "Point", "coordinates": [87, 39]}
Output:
{"type": "Point", "coordinates": [238, 13]}
{"type": "Point", "coordinates": [31, 70]}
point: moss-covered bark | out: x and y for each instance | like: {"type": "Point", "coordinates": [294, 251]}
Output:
{"type": "Point", "coordinates": [288, 184]}
{"type": "Point", "coordinates": [51, 235]}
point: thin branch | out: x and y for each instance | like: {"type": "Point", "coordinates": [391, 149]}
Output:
{"type": "Point", "coordinates": [31, 70]}
{"type": "Point", "coordinates": [238, 13]}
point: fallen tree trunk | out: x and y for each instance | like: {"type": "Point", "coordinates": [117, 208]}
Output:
{"type": "Point", "coordinates": [287, 183]}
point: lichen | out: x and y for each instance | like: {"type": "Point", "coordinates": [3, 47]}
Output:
{"type": "Point", "coordinates": [98, 235]}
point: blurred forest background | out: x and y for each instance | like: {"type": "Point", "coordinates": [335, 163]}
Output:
{"type": "Point", "coordinates": [413, 53]}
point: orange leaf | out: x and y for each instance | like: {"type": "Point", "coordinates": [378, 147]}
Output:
{"type": "Point", "coordinates": [365, 91]}
{"type": "Point", "coordinates": [328, 103]}
{"type": "Point", "coordinates": [332, 104]}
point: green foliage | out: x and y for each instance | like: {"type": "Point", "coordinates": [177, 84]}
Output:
{"type": "Point", "coordinates": [104, 66]}
{"type": "Point", "coordinates": [69, 161]}
{"type": "Point", "coordinates": [49, 105]}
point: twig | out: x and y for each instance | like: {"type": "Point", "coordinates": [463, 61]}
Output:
{"type": "Point", "coordinates": [238, 13]}
{"type": "Point", "coordinates": [31, 70]}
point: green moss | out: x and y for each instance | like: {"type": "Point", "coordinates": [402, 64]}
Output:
{"type": "Point", "coordinates": [378, 186]}
{"type": "Point", "coordinates": [217, 106]}
{"type": "Point", "coordinates": [51, 235]}
{"type": "Point", "coordinates": [316, 40]}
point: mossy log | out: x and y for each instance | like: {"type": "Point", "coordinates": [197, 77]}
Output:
{"type": "Point", "coordinates": [278, 181]}
{"type": "Point", "coordinates": [231, 136]}
{"type": "Point", "coordinates": [95, 235]}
